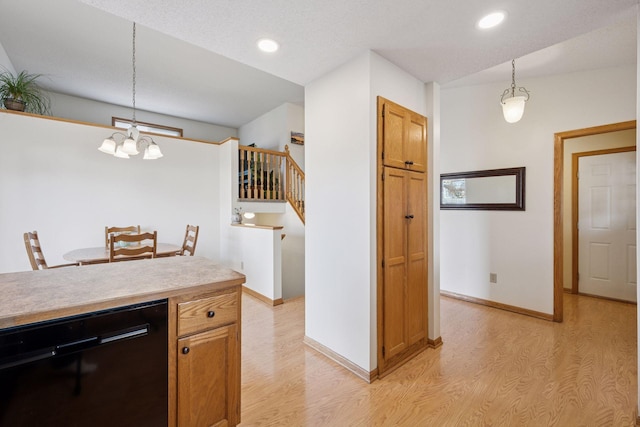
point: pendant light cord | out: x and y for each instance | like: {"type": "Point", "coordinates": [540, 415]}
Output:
{"type": "Point", "coordinates": [134, 74]}
{"type": "Point", "coordinates": [513, 80]}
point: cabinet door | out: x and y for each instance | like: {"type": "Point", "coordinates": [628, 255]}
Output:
{"type": "Point", "coordinates": [404, 134]}
{"type": "Point", "coordinates": [395, 261]}
{"type": "Point", "coordinates": [415, 144]}
{"type": "Point", "coordinates": [393, 135]}
{"type": "Point", "coordinates": [416, 304]}
{"type": "Point", "coordinates": [405, 260]}
{"type": "Point", "coordinates": [208, 378]}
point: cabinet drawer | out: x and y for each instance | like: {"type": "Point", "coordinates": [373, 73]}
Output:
{"type": "Point", "coordinates": [207, 313]}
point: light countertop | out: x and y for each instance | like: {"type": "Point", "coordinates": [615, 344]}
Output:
{"type": "Point", "coordinates": [33, 296]}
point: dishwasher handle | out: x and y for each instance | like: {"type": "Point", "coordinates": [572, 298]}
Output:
{"type": "Point", "coordinates": [135, 332]}
{"type": "Point", "coordinates": [23, 359]}
{"type": "Point", "coordinates": [74, 346]}
{"type": "Point", "coordinates": [78, 345]}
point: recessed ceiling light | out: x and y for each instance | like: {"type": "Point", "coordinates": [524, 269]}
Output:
{"type": "Point", "coordinates": [491, 20]}
{"type": "Point", "coordinates": [268, 45]}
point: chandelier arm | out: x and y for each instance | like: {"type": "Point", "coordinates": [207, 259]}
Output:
{"type": "Point", "coordinates": [113, 135]}
{"type": "Point", "coordinates": [504, 94]}
{"type": "Point", "coordinates": [526, 92]}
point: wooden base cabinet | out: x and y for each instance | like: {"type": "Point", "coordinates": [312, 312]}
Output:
{"type": "Point", "coordinates": [207, 354]}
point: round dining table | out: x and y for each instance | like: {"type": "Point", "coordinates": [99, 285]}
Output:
{"type": "Point", "coordinates": [100, 254]}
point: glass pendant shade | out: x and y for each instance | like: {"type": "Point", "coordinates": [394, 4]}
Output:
{"type": "Point", "coordinates": [152, 152]}
{"type": "Point", "coordinates": [120, 153]}
{"type": "Point", "coordinates": [513, 108]}
{"type": "Point", "coordinates": [129, 146]}
{"type": "Point", "coordinates": [108, 146]}
{"type": "Point", "coordinates": [512, 104]}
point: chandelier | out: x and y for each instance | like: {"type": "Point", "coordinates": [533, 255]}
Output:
{"type": "Point", "coordinates": [123, 145]}
{"type": "Point", "coordinates": [512, 103]}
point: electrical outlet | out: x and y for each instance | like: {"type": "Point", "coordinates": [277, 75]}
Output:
{"type": "Point", "coordinates": [493, 278]}
{"type": "Point", "coordinates": [241, 265]}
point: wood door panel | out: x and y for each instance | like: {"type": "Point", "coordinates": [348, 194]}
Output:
{"type": "Point", "coordinates": [415, 145]}
{"type": "Point", "coordinates": [394, 135]}
{"type": "Point", "coordinates": [395, 339]}
{"type": "Point", "coordinates": [394, 212]}
{"type": "Point", "coordinates": [395, 259]}
{"type": "Point", "coordinates": [417, 300]}
{"type": "Point", "coordinates": [405, 138]}
{"type": "Point", "coordinates": [417, 257]}
{"type": "Point", "coordinates": [205, 379]}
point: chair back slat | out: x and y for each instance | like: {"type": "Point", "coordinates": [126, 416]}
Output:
{"type": "Point", "coordinates": [112, 230]}
{"type": "Point", "coordinates": [34, 251]}
{"type": "Point", "coordinates": [134, 246]}
{"type": "Point", "coordinates": [190, 240]}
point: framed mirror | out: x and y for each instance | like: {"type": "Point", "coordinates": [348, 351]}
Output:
{"type": "Point", "coordinates": [492, 189]}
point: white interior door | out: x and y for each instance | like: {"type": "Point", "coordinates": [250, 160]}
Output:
{"type": "Point", "coordinates": [607, 225]}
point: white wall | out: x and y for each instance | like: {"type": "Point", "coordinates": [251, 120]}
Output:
{"type": "Point", "coordinates": [293, 260]}
{"type": "Point", "coordinates": [637, 117]}
{"type": "Point", "coordinates": [338, 156]}
{"type": "Point", "coordinates": [341, 147]}
{"type": "Point", "coordinates": [432, 96]}
{"type": "Point", "coordinates": [54, 180]}
{"type": "Point", "coordinates": [260, 257]}
{"type": "Point", "coordinates": [518, 246]}
{"type": "Point", "coordinates": [90, 111]}
{"type": "Point", "coordinates": [273, 131]}
{"type": "Point", "coordinates": [5, 62]}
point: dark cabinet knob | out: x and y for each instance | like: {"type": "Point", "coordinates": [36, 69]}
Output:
{"type": "Point", "coordinates": [409, 216]}
{"type": "Point", "coordinates": [408, 162]}
{"type": "Point", "coordinates": [211, 313]}
{"type": "Point", "coordinates": [185, 350]}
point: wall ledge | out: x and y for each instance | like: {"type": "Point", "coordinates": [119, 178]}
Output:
{"type": "Point", "coordinates": [264, 227]}
{"type": "Point", "coordinates": [111, 128]}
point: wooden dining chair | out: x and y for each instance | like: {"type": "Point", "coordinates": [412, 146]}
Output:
{"type": "Point", "coordinates": [190, 240]}
{"type": "Point", "coordinates": [111, 230]}
{"type": "Point", "coordinates": [34, 251]}
{"type": "Point", "coordinates": [124, 247]}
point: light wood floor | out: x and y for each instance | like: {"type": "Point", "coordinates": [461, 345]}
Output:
{"type": "Point", "coordinates": [495, 368]}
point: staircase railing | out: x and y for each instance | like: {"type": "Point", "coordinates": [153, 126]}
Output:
{"type": "Point", "coordinates": [295, 185]}
{"type": "Point", "coordinates": [261, 174]}
{"type": "Point", "coordinates": [268, 175]}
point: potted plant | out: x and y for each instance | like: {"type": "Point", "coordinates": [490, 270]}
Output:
{"type": "Point", "coordinates": [22, 93]}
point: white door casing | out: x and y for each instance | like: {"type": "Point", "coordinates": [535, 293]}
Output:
{"type": "Point", "coordinates": [607, 225]}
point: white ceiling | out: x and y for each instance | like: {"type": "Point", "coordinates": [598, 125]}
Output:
{"type": "Point", "coordinates": [197, 58]}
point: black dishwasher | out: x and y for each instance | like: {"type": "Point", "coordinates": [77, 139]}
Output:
{"type": "Point", "coordinates": [107, 368]}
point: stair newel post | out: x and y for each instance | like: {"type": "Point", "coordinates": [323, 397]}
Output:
{"type": "Point", "coordinates": [288, 177]}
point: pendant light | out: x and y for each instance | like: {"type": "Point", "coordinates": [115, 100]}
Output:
{"type": "Point", "coordinates": [130, 143]}
{"type": "Point", "coordinates": [513, 99]}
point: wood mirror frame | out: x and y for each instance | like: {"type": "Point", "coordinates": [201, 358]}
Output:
{"type": "Point", "coordinates": [518, 190]}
